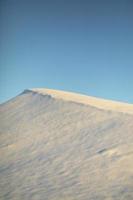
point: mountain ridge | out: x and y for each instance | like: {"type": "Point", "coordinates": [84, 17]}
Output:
{"type": "Point", "coordinates": [100, 103]}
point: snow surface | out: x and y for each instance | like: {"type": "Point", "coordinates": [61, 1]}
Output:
{"type": "Point", "coordinates": [63, 146]}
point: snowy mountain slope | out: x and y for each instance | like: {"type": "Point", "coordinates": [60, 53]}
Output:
{"type": "Point", "coordinates": [62, 146]}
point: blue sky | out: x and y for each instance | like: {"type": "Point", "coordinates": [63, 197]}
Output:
{"type": "Point", "coordinates": [84, 46]}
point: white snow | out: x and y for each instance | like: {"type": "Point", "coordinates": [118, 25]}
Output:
{"type": "Point", "coordinates": [56, 145]}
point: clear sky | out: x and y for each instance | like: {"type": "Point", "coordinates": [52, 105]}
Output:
{"type": "Point", "coordinates": [84, 46]}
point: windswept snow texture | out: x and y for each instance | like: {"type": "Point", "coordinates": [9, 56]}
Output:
{"type": "Point", "coordinates": [57, 149]}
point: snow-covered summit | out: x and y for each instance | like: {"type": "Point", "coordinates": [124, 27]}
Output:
{"type": "Point", "coordinates": [84, 99]}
